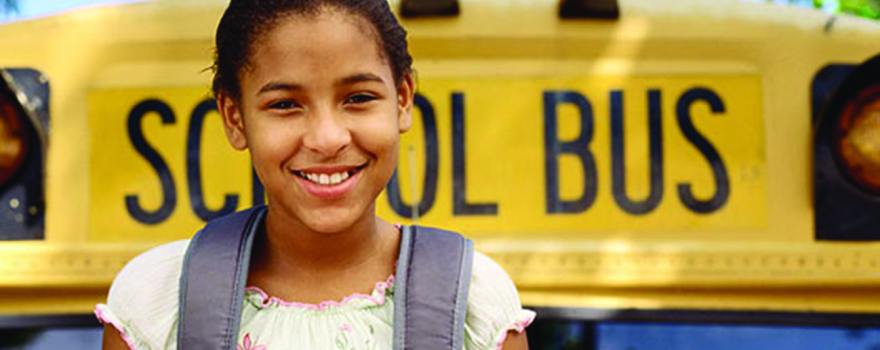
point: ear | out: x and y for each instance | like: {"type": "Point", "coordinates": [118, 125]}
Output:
{"type": "Point", "coordinates": [233, 122]}
{"type": "Point", "coordinates": [405, 96]}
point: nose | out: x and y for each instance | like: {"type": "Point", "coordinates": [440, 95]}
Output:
{"type": "Point", "coordinates": [326, 136]}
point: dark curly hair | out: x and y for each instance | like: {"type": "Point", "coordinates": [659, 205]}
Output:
{"type": "Point", "coordinates": [244, 21]}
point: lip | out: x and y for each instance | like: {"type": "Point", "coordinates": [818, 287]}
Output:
{"type": "Point", "coordinates": [326, 192]}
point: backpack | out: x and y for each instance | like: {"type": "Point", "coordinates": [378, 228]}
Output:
{"type": "Point", "coordinates": [430, 291]}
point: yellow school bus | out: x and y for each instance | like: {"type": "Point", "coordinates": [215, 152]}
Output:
{"type": "Point", "coordinates": [628, 159]}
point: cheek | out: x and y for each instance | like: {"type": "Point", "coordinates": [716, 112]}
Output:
{"type": "Point", "coordinates": [381, 139]}
{"type": "Point", "coordinates": [384, 135]}
{"type": "Point", "coordinates": [270, 144]}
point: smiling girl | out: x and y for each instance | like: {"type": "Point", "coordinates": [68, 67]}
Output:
{"type": "Point", "coordinates": [318, 91]}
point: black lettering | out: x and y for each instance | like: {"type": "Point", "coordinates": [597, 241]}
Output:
{"type": "Point", "coordinates": [194, 167]}
{"type": "Point", "coordinates": [579, 147]}
{"type": "Point", "coordinates": [136, 136]}
{"type": "Point", "coordinates": [722, 184]}
{"type": "Point", "coordinates": [432, 158]}
{"type": "Point", "coordinates": [618, 159]}
{"type": "Point", "coordinates": [460, 205]}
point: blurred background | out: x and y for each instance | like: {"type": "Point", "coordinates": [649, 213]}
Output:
{"type": "Point", "coordinates": [758, 234]}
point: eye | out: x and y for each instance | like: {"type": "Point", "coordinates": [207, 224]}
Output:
{"type": "Point", "coordinates": [283, 105]}
{"type": "Point", "coordinates": [360, 98]}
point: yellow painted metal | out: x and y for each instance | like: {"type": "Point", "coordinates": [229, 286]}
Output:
{"type": "Point", "coordinates": [757, 253]}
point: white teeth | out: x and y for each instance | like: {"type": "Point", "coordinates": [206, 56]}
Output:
{"type": "Point", "coordinates": [326, 179]}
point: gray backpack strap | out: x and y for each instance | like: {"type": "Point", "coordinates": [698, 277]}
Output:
{"type": "Point", "coordinates": [430, 289]}
{"type": "Point", "coordinates": [212, 281]}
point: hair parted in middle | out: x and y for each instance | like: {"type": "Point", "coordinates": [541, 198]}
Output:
{"type": "Point", "coordinates": [245, 21]}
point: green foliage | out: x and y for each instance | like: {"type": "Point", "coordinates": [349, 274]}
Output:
{"type": "Point", "coordinates": [863, 8]}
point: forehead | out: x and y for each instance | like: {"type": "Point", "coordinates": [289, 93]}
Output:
{"type": "Point", "coordinates": [326, 44]}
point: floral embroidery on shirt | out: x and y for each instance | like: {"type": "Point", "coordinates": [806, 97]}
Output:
{"type": "Point", "coordinates": [343, 342]}
{"type": "Point", "coordinates": [246, 344]}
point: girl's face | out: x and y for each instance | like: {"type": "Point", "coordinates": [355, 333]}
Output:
{"type": "Point", "coordinates": [322, 116]}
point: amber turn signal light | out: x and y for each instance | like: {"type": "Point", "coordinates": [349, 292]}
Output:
{"type": "Point", "coordinates": [13, 139]}
{"type": "Point", "coordinates": [846, 159]}
{"type": "Point", "coordinates": [857, 139]}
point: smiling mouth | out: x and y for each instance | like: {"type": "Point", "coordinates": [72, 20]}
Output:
{"type": "Point", "coordinates": [329, 178]}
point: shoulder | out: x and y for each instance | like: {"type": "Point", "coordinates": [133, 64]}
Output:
{"type": "Point", "coordinates": [494, 306]}
{"type": "Point", "coordinates": [150, 273]}
{"type": "Point", "coordinates": [142, 302]}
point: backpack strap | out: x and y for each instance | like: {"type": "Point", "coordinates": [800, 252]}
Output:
{"type": "Point", "coordinates": [212, 281]}
{"type": "Point", "coordinates": [430, 293]}
{"type": "Point", "coordinates": [431, 287]}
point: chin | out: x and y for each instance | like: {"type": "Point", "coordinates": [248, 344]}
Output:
{"type": "Point", "coordinates": [330, 221]}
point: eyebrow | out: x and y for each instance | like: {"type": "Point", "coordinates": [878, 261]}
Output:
{"type": "Point", "coordinates": [277, 85]}
{"type": "Point", "coordinates": [349, 80]}
{"type": "Point", "coordinates": [359, 78]}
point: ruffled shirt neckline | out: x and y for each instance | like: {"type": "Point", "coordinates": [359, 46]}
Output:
{"type": "Point", "coordinates": [259, 298]}
{"type": "Point", "coordinates": [382, 289]}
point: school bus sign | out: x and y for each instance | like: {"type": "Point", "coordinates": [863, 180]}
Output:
{"type": "Point", "coordinates": [503, 156]}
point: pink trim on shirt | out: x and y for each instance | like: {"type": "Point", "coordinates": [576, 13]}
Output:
{"type": "Point", "coordinates": [377, 297]}
{"type": "Point", "coordinates": [106, 320]}
{"type": "Point", "coordinates": [518, 326]}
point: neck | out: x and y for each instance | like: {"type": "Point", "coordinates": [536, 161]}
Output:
{"type": "Point", "coordinates": [292, 248]}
